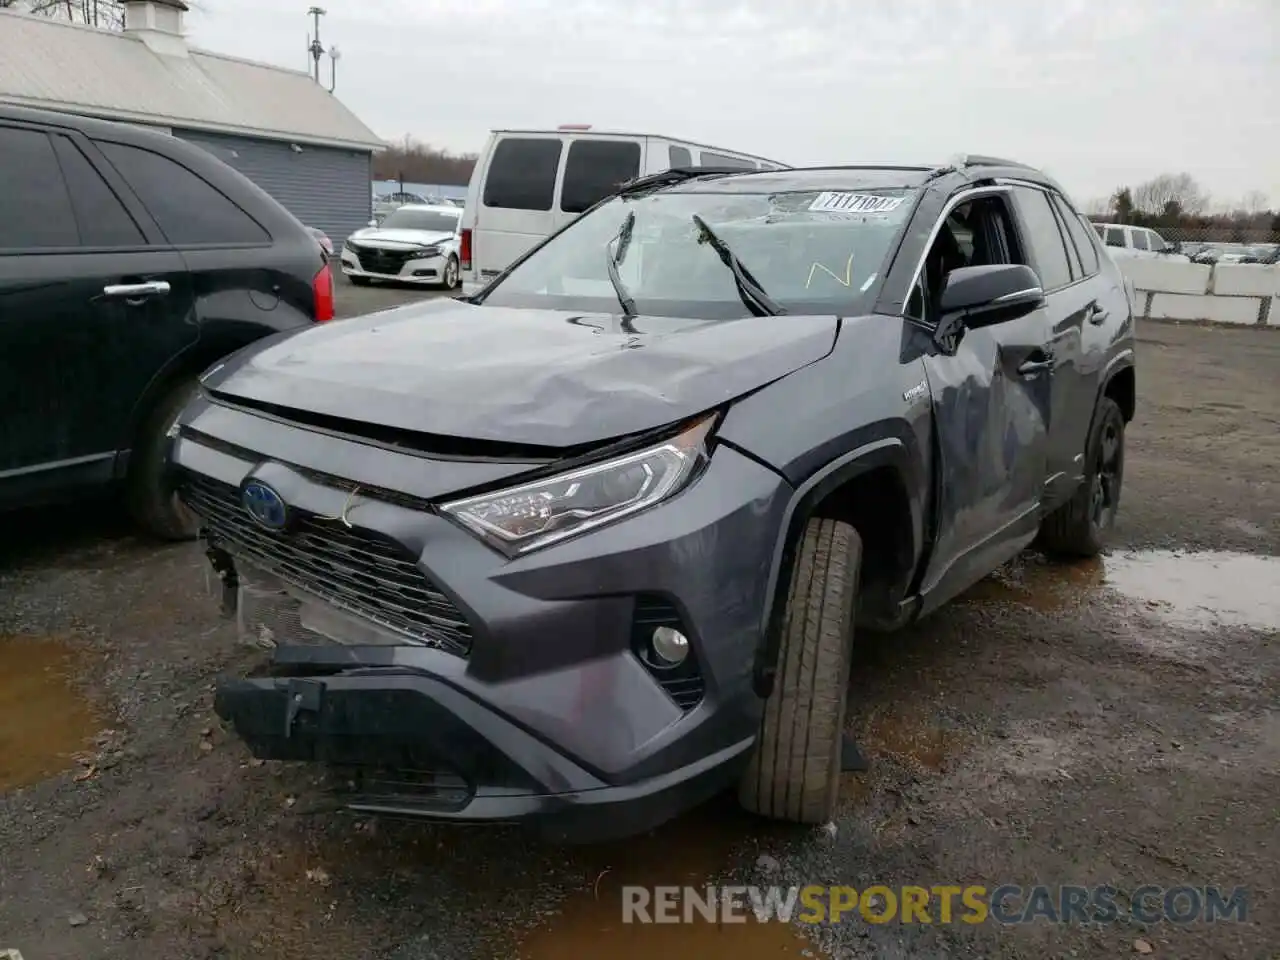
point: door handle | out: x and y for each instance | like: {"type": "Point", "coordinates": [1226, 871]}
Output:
{"type": "Point", "coordinates": [136, 291]}
{"type": "Point", "coordinates": [1098, 315]}
{"type": "Point", "coordinates": [1040, 363]}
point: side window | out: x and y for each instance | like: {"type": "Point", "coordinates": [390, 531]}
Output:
{"type": "Point", "coordinates": [1044, 238]}
{"type": "Point", "coordinates": [680, 157]}
{"type": "Point", "coordinates": [975, 234]}
{"type": "Point", "coordinates": [1139, 239]}
{"type": "Point", "coordinates": [720, 160]}
{"type": "Point", "coordinates": [1080, 234]}
{"type": "Point", "coordinates": [102, 218]}
{"type": "Point", "coordinates": [1115, 236]}
{"type": "Point", "coordinates": [1097, 228]}
{"type": "Point", "coordinates": [186, 208]}
{"type": "Point", "coordinates": [522, 174]}
{"type": "Point", "coordinates": [35, 209]}
{"type": "Point", "coordinates": [1156, 241]}
{"type": "Point", "coordinates": [596, 168]}
{"type": "Point", "coordinates": [1073, 255]}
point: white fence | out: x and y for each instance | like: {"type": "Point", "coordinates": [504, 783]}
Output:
{"type": "Point", "coordinates": [1245, 294]}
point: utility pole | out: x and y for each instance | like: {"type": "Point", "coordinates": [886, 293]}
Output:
{"type": "Point", "coordinates": [315, 49]}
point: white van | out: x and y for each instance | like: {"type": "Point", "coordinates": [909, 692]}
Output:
{"type": "Point", "coordinates": [528, 184]}
{"type": "Point", "coordinates": [1123, 240]}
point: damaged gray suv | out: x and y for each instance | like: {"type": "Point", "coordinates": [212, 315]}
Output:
{"type": "Point", "coordinates": [589, 547]}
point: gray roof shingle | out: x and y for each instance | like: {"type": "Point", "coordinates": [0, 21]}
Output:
{"type": "Point", "coordinates": [53, 65]}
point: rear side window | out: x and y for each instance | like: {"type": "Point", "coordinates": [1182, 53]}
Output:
{"type": "Point", "coordinates": [1115, 237]}
{"type": "Point", "coordinates": [102, 218]}
{"type": "Point", "coordinates": [720, 160]}
{"type": "Point", "coordinates": [1044, 238]}
{"type": "Point", "coordinates": [681, 157]}
{"type": "Point", "coordinates": [596, 168]}
{"type": "Point", "coordinates": [1157, 241]}
{"type": "Point", "coordinates": [1080, 235]}
{"type": "Point", "coordinates": [1140, 240]}
{"type": "Point", "coordinates": [187, 209]}
{"type": "Point", "coordinates": [522, 174]}
{"type": "Point", "coordinates": [35, 210]}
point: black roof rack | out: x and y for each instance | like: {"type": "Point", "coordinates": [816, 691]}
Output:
{"type": "Point", "coordinates": [982, 160]}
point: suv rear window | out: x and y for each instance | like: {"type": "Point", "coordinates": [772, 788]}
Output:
{"type": "Point", "coordinates": [596, 168]}
{"type": "Point", "coordinates": [522, 174]}
{"type": "Point", "coordinates": [187, 209]}
{"type": "Point", "coordinates": [35, 210]}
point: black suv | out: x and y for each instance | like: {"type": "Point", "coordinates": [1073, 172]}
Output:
{"type": "Point", "coordinates": [589, 546]}
{"type": "Point", "coordinates": [130, 261]}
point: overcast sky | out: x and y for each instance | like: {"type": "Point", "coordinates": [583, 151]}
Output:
{"type": "Point", "coordinates": [1098, 92]}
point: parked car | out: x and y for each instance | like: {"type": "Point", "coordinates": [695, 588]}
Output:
{"type": "Point", "coordinates": [323, 239]}
{"type": "Point", "coordinates": [588, 547]}
{"type": "Point", "coordinates": [520, 192]}
{"type": "Point", "coordinates": [1123, 241]}
{"type": "Point", "coordinates": [387, 203]}
{"type": "Point", "coordinates": [417, 243]}
{"type": "Point", "coordinates": [130, 261]}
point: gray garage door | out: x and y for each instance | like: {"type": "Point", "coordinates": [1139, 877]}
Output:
{"type": "Point", "coordinates": [321, 186]}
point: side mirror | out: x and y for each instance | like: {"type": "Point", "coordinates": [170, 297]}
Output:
{"type": "Point", "coordinates": [982, 296]}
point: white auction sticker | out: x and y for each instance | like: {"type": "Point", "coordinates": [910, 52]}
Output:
{"type": "Point", "coordinates": [834, 202]}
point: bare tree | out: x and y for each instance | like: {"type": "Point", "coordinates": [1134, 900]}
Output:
{"type": "Point", "coordinates": [108, 14]}
{"type": "Point", "coordinates": [1170, 194]}
{"type": "Point", "coordinates": [1254, 203]}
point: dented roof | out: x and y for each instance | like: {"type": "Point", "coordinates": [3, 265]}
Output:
{"type": "Point", "coordinates": [53, 65]}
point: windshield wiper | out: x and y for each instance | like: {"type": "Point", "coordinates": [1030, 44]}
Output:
{"type": "Point", "coordinates": [752, 294]}
{"type": "Point", "coordinates": [613, 259]}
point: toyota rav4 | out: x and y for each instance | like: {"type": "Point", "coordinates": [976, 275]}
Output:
{"type": "Point", "coordinates": [589, 546]}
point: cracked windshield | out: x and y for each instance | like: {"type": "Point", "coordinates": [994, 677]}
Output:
{"type": "Point", "coordinates": [710, 481]}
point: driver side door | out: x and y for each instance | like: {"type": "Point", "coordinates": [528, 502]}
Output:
{"type": "Point", "coordinates": [992, 397]}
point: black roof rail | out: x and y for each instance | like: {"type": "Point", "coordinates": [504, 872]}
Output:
{"type": "Point", "coordinates": [667, 178]}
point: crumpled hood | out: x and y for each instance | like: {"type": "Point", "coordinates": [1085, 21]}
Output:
{"type": "Point", "coordinates": [373, 237]}
{"type": "Point", "coordinates": [530, 377]}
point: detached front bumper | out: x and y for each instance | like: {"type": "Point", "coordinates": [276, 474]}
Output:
{"type": "Point", "coordinates": [407, 744]}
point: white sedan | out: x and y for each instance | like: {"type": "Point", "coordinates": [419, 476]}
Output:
{"type": "Point", "coordinates": [416, 243]}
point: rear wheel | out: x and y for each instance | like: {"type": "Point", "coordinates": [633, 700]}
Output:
{"type": "Point", "coordinates": [1079, 527]}
{"type": "Point", "coordinates": [794, 772]}
{"type": "Point", "coordinates": [150, 495]}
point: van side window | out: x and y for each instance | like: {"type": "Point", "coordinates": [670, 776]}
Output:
{"type": "Point", "coordinates": [680, 157]}
{"type": "Point", "coordinates": [1115, 236]}
{"type": "Point", "coordinates": [522, 174]}
{"type": "Point", "coordinates": [1140, 239]}
{"type": "Point", "coordinates": [720, 160]}
{"type": "Point", "coordinates": [596, 168]}
{"type": "Point", "coordinates": [1157, 242]}
{"type": "Point", "coordinates": [35, 210]}
{"type": "Point", "coordinates": [187, 209]}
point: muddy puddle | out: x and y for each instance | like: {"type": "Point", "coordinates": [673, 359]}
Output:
{"type": "Point", "coordinates": [684, 853]}
{"type": "Point", "coordinates": [44, 721]}
{"type": "Point", "coordinates": [1203, 590]}
{"type": "Point", "coordinates": [1191, 589]}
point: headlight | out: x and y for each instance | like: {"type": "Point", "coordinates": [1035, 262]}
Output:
{"type": "Point", "coordinates": [424, 253]}
{"type": "Point", "coordinates": [548, 511]}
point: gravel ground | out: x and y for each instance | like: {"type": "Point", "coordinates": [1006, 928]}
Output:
{"type": "Point", "coordinates": [1112, 722]}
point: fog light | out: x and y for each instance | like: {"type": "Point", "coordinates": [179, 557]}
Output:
{"type": "Point", "coordinates": [671, 646]}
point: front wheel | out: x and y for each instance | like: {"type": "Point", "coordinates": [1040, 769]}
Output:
{"type": "Point", "coordinates": [1079, 527]}
{"type": "Point", "coordinates": [794, 771]}
{"type": "Point", "coordinates": [451, 278]}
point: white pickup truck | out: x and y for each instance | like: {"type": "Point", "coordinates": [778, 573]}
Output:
{"type": "Point", "coordinates": [1123, 240]}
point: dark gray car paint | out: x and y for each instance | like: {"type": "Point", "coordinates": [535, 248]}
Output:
{"type": "Point", "coordinates": [530, 377]}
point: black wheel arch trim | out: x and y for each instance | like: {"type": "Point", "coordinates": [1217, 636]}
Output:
{"type": "Point", "coordinates": [890, 452]}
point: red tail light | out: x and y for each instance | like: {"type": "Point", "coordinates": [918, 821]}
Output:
{"type": "Point", "coordinates": [464, 249]}
{"type": "Point", "coordinates": [322, 286]}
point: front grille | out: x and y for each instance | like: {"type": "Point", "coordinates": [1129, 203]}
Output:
{"type": "Point", "coordinates": [356, 570]}
{"type": "Point", "coordinates": [683, 683]}
{"type": "Point", "coordinates": [382, 261]}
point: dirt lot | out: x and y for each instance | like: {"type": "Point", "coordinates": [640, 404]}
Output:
{"type": "Point", "coordinates": [1113, 722]}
